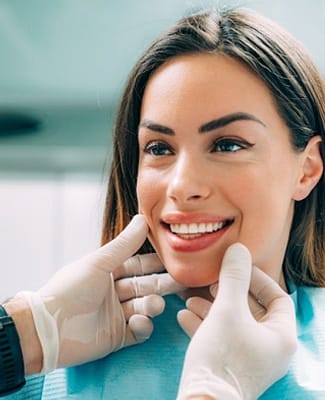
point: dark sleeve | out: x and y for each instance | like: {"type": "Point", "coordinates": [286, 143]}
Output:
{"type": "Point", "coordinates": [12, 374]}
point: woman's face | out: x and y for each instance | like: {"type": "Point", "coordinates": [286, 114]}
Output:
{"type": "Point", "coordinates": [216, 167]}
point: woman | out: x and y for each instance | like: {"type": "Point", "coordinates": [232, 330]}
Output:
{"type": "Point", "coordinates": [292, 82]}
{"type": "Point", "coordinates": [220, 138]}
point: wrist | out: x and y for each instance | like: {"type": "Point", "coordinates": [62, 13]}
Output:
{"type": "Point", "coordinates": [20, 312]}
{"type": "Point", "coordinates": [203, 384]}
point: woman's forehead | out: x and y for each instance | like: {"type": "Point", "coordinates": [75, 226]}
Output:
{"type": "Point", "coordinates": [206, 86]}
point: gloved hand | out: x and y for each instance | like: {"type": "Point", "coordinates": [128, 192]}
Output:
{"type": "Point", "coordinates": [80, 315]}
{"type": "Point", "coordinates": [232, 356]}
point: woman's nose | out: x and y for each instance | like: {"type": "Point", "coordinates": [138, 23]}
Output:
{"type": "Point", "coordinates": [188, 181]}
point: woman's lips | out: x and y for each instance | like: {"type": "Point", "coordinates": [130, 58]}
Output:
{"type": "Point", "coordinates": [190, 238]}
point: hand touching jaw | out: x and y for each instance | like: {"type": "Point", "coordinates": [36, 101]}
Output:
{"type": "Point", "coordinates": [261, 350]}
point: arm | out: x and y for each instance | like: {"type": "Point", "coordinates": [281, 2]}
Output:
{"type": "Point", "coordinates": [92, 307]}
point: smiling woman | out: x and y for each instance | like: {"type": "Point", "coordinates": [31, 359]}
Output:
{"type": "Point", "coordinates": [220, 139]}
{"type": "Point", "coordinates": [227, 112]}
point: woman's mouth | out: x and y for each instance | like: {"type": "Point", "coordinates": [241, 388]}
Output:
{"type": "Point", "coordinates": [194, 236]}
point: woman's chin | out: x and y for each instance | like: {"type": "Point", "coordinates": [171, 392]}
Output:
{"type": "Point", "coordinates": [189, 270]}
{"type": "Point", "coordinates": [193, 279]}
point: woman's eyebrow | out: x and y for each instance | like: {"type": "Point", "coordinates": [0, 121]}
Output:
{"type": "Point", "coordinates": [153, 126]}
{"type": "Point", "coordinates": [228, 119]}
{"type": "Point", "coordinates": [207, 127]}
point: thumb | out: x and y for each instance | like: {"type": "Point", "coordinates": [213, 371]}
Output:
{"type": "Point", "coordinates": [115, 252]}
{"type": "Point", "coordinates": [235, 273]}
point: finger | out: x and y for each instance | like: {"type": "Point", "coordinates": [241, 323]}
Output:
{"type": "Point", "coordinates": [150, 306]}
{"type": "Point", "coordinates": [278, 304]}
{"type": "Point", "coordinates": [188, 321]}
{"type": "Point", "coordinates": [281, 314]}
{"type": "Point", "coordinates": [214, 289]}
{"type": "Point", "coordinates": [264, 288]}
{"type": "Point", "coordinates": [140, 286]}
{"type": "Point", "coordinates": [257, 310]}
{"type": "Point", "coordinates": [114, 253]}
{"type": "Point", "coordinates": [235, 275]}
{"type": "Point", "coordinates": [198, 306]}
{"type": "Point", "coordinates": [138, 329]}
{"type": "Point", "coordinates": [202, 291]}
{"type": "Point", "coordinates": [139, 265]}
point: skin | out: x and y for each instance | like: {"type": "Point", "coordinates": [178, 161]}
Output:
{"type": "Point", "coordinates": [240, 170]}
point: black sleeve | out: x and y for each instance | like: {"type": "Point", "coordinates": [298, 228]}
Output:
{"type": "Point", "coordinates": [12, 374]}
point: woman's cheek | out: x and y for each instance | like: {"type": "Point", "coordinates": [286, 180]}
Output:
{"type": "Point", "coordinates": [148, 192]}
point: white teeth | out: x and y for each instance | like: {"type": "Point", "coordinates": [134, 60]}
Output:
{"type": "Point", "coordinates": [194, 228]}
{"type": "Point", "coordinates": [201, 227]}
{"type": "Point", "coordinates": [183, 228]}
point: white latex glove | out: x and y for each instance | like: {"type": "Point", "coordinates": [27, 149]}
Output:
{"type": "Point", "coordinates": [232, 356]}
{"type": "Point", "coordinates": [79, 314]}
{"type": "Point", "coordinates": [199, 306]}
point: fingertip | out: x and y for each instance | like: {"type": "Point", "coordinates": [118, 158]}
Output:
{"type": "Point", "coordinates": [181, 315]}
{"type": "Point", "coordinates": [192, 301]}
{"type": "Point", "coordinates": [213, 289]}
{"type": "Point", "coordinates": [188, 321]}
{"type": "Point", "coordinates": [139, 221]}
{"type": "Point", "coordinates": [132, 236]}
{"type": "Point", "coordinates": [141, 327]}
{"type": "Point", "coordinates": [153, 305]}
{"type": "Point", "coordinates": [238, 250]}
{"type": "Point", "coordinates": [236, 256]}
{"type": "Point", "coordinates": [158, 304]}
{"type": "Point", "coordinates": [199, 306]}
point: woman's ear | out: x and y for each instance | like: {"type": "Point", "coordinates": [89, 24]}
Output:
{"type": "Point", "coordinates": [311, 168]}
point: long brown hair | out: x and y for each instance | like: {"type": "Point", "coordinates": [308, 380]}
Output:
{"type": "Point", "coordinates": [298, 91]}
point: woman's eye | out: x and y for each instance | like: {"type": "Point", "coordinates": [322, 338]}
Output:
{"type": "Point", "coordinates": [158, 149]}
{"type": "Point", "coordinates": [229, 145]}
